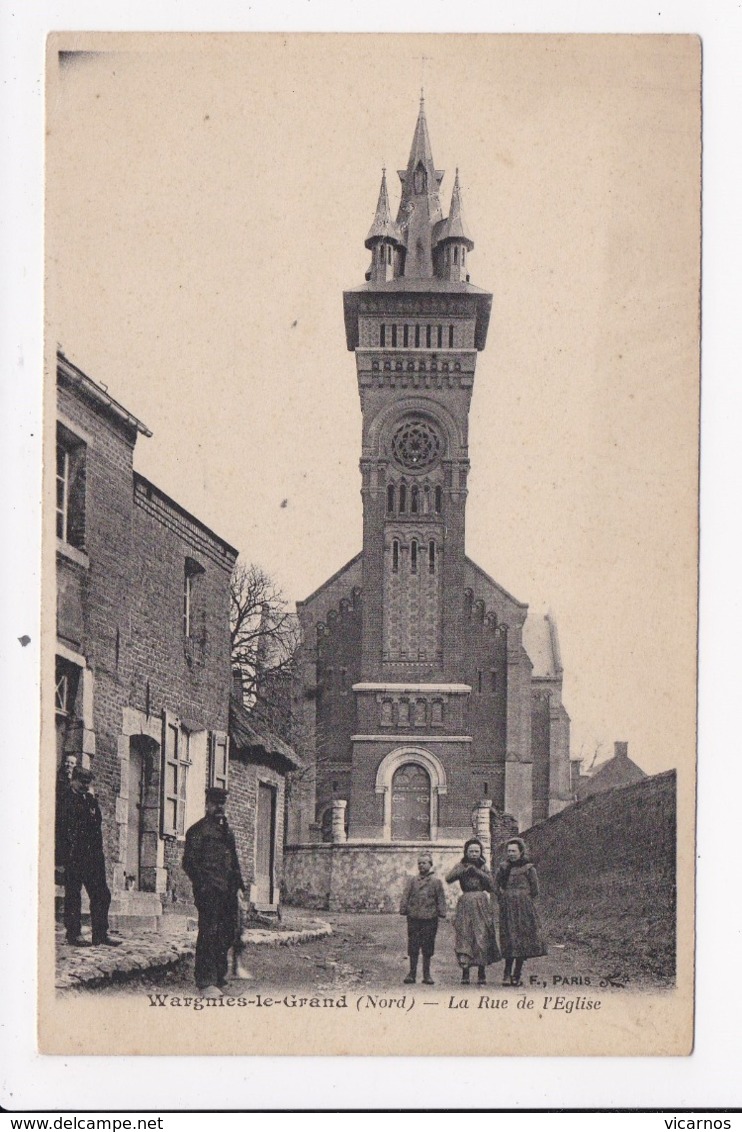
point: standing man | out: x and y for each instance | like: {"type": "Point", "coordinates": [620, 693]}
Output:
{"type": "Point", "coordinates": [424, 904]}
{"type": "Point", "coordinates": [63, 791]}
{"type": "Point", "coordinates": [210, 861]}
{"type": "Point", "coordinates": [84, 863]}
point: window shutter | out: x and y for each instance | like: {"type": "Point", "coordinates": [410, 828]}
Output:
{"type": "Point", "coordinates": [171, 775]}
{"type": "Point", "coordinates": [219, 775]}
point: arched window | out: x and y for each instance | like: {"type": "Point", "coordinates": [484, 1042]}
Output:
{"type": "Point", "coordinates": [414, 493]}
{"type": "Point", "coordinates": [395, 555]}
{"type": "Point", "coordinates": [389, 254]}
{"type": "Point", "coordinates": [411, 803]}
{"type": "Point", "coordinates": [382, 335]}
{"type": "Point", "coordinates": [394, 334]}
{"type": "Point", "coordinates": [428, 335]}
{"type": "Point", "coordinates": [390, 498]}
{"type": "Point", "coordinates": [403, 713]}
{"type": "Point", "coordinates": [438, 500]}
{"type": "Point", "coordinates": [426, 505]}
{"type": "Point", "coordinates": [402, 498]}
{"type": "Point", "coordinates": [417, 335]}
{"type": "Point", "coordinates": [440, 337]}
{"type": "Point", "coordinates": [456, 254]}
{"type": "Point", "coordinates": [431, 557]}
{"type": "Point", "coordinates": [413, 556]}
{"type": "Point", "coordinates": [405, 335]}
{"type": "Point", "coordinates": [420, 178]}
{"type": "Point", "coordinates": [450, 335]}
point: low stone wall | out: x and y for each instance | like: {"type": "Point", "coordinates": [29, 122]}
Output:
{"type": "Point", "coordinates": [360, 876]}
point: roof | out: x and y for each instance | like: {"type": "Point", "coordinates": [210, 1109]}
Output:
{"type": "Point", "coordinates": [173, 505]}
{"type": "Point", "coordinates": [383, 227]}
{"type": "Point", "coordinates": [97, 394]}
{"type": "Point", "coordinates": [541, 642]}
{"type": "Point", "coordinates": [247, 739]}
{"type": "Point", "coordinates": [453, 227]}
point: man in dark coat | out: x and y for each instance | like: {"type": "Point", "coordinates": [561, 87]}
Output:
{"type": "Point", "coordinates": [84, 863]}
{"type": "Point", "coordinates": [210, 861]}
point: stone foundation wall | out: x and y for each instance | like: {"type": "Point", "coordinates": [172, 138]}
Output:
{"type": "Point", "coordinates": [360, 876]}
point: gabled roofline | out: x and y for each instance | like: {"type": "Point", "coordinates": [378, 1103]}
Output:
{"type": "Point", "coordinates": [328, 581]}
{"type": "Point", "coordinates": [96, 393]}
{"type": "Point", "coordinates": [498, 587]}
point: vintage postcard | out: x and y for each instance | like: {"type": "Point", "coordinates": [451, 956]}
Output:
{"type": "Point", "coordinates": [371, 543]}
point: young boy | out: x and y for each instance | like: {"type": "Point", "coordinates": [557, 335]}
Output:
{"type": "Point", "coordinates": [424, 904]}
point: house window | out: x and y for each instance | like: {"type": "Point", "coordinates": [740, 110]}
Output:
{"type": "Point", "coordinates": [413, 556]}
{"type": "Point", "coordinates": [405, 335]}
{"type": "Point", "coordinates": [417, 335]}
{"type": "Point", "coordinates": [67, 682]}
{"type": "Point", "coordinates": [431, 557]}
{"type": "Point", "coordinates": [450, 336]}
{"type": "Point", "coordinates": [382, 335]}
{"type": "Point", "coordinates": [394, 334]}
{"type": "Point", "coordinates": [175, 764]}
{"type": "Point", "coordinates": [414, 494]}
{"type": "Point", "coordinates": [428, 335]}
{"type": "Point", "coordinates": [402, 499]}
{"type": "Point", "coordinates": [70, 504]}
{"type": "Point", "coordinates": [390, 498]}
{"type": "Point", "coordinates": [440, 336]}
{"type": "Point", "coordinates": [395, 555]}
{"type": "Point", "coordinates": [438, 500]}
{"type": "Point", "coordinates": [192, 571]}
{"type": "Point", "coordinates": [219, 759]}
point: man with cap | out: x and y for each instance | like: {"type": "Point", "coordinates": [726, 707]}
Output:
{"type": "Point", "coordinates": [210, 861]}
{"type": "Point", "coordinates": [84, 863]}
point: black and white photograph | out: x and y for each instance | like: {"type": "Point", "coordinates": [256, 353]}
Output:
{"type": "Point", "coordinates": [370, 544]}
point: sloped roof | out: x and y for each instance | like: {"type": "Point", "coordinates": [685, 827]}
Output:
{"type": "Point", "coordinates": [247, 739]}
{"type": "Point", "coordinates": [542, 645]}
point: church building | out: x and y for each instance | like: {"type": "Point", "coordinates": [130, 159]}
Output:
{"type": "Point", "coordinates": [429, 695]}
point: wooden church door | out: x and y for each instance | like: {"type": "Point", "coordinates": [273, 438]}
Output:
{"type": "Point", "coordinates": [411, 804]}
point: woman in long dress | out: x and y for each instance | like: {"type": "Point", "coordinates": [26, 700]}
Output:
{"type": "Point", "coordinates": [521, 937]}
{"type": "Point", "coordinates": [474, 925]}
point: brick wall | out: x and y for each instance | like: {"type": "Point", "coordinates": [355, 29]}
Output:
{"type": "Point", "coordinates": [628, 826]}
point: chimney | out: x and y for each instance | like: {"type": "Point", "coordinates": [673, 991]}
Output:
{"type": "Point", "coordinates": [621, 750]}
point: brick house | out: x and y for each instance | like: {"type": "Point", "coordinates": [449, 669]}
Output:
{"type": "Point", "coordinates": [142, 661]}
{"type": "Point", "coordinates": [258, 764]}
{"type": "Point", "coordinates": [431, 695]}
{"type": "Point", "coordinates": [619, 770]}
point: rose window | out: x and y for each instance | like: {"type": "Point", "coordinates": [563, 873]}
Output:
{"type": "Point", "coordinates": [416, 444]}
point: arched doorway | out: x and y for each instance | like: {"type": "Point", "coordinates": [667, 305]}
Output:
{"type": "Point", "coordinates": [411, 803]}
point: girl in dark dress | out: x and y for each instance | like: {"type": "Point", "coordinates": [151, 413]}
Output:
{"type": "Point", "coordinates": [521, 937]}
{"type": "Point", "coordinates": [476, 941]}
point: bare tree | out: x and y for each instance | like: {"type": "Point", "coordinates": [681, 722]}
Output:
{"type": "Point", "coordinates": [265, 636]}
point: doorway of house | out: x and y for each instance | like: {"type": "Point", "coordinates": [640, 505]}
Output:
{"type": "Point", "coordinates": [265, 844]}
{"type": "Point", "coordinates": [143, 814]}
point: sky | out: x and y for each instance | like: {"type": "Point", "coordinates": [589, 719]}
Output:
{"type": "Point", "coordinates": [207, 203]}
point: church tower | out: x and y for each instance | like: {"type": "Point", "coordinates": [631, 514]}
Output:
{"type": "Point", "coordinates": [423, 697]}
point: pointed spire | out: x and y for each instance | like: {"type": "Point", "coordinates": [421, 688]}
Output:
{"type": "Point", "coordinates": [454, 228]}
{"type": "Point", "coordinates": [383, 227]}
{"type": "Point", "coordinates": [419, 206]}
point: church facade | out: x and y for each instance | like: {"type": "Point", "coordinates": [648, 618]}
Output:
{"type": "Point", "coordinates": [427, 692]}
